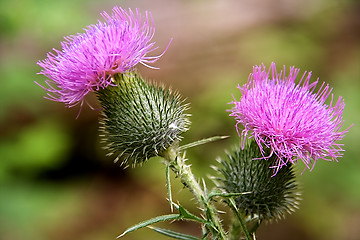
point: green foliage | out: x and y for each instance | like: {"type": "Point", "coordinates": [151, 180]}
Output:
{"type": "Point", "coordinates": [146, 223]}
{"type": "Point", "coordinates": [265, 196]}
{"type": "Point", "coordinates": [140, 120]}
{"type": "Point", "coordinates": [200, 142]}
{"type": "Point", "coordinates": [173, 234]}
{"type": "Point", "coordinates": [182, 215]}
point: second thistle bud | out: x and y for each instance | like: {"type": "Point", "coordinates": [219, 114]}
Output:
{"type": "Point", "coordinates": [266, 196]}
{"type": "Point", "coordinates": [140, 120]}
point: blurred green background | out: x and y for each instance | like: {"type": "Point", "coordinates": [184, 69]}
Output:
{"type": "Point", "coordinates": [57, 183]}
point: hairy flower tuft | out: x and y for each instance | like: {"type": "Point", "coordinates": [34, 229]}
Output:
{"type": "Point", "coordinates": [88, 60]}
{"type": "Point", "coordinates": [292, 119]}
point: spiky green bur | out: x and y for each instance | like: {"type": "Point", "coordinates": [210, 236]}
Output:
{"type": "Point", "coordinates": [266, 196]}
{"type": "Point", "coordinates": [140, 120]}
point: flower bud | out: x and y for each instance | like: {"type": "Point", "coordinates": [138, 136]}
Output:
{"type": "Point", "coordinates": [140, 120]}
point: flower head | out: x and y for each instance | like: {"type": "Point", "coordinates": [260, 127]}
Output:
{"type": "Point", "coordinates": [88, 60]}
{"type": "Point", "coordinates": [292, 119]}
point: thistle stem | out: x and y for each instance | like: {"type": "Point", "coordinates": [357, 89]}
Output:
{"type": "Point", "coordinates": [183, 171]}
{"type": "Point", "coordinates": [241, 221]}
{"type": "Point", "coordinates": [235, 232]}
{"type": "Point", "coordinates": [255, 227]}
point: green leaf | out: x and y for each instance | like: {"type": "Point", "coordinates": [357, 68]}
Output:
{"type": "Point", "coordinates": [146, 223]}
{"type": "Point", "coordinates": [185, 214]}
{"type": "Point", "coordinates": [225, 195]}
{"type": "Point", "coordinates": [173, 234]}
{"type": "Point", "coordinates": [202, 141]}
{"type": "Point", "coordinates": [168, 186]}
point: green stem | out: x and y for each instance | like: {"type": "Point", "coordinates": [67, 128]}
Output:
{"type": "Point", "coordinates": [241, 221]}
{"type": "Point", "coordinates": [183, 171]}
{"type": "Point", "coordinates": [235, 232]}
{"type": "Point", "coordinates": [255, 227]}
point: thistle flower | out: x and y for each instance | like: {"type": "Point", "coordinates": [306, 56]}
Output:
{"type": "Point", "coordinates": [264, 197]}
{"type": "Point", "coordinates": [88, 60]}
{"type": "Point", "coordinates": [292, 119]}
{"type": "Point", "coordinates": [140, 120]}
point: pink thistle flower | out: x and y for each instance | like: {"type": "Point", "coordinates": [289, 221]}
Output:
{"type": "Point", "coordinates": [290, 119]}
{"type": "Point", "coordinates": [88, 60]}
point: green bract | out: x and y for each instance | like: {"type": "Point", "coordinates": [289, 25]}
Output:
{"type": "Point", "coordinates": [140, 120]}
{"type": "Point", "coordinates": [265, 196]}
